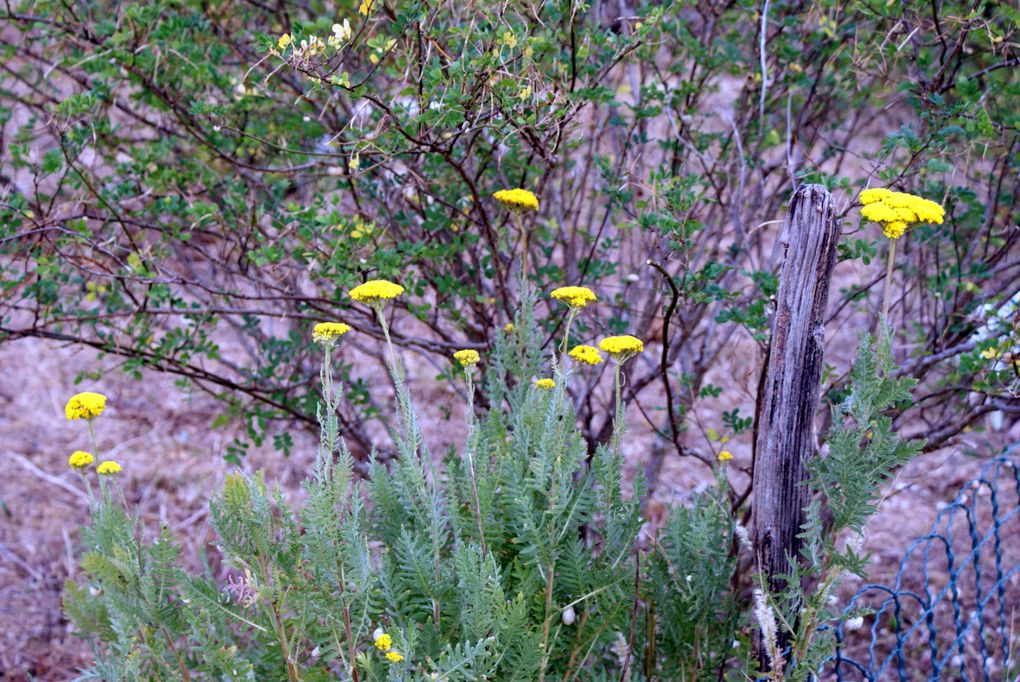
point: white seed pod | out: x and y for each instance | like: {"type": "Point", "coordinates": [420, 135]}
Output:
{"type": "Point", "coordinates": [855, 623]}
{"type": "Point", "coordinates": [568, 615]}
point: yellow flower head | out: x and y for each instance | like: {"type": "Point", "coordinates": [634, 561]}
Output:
{"type": "Point", "coordinates": [545, 383]}
{"type": "Point", "coordinates": [366, 7]}
{"type": "Point", "coordinates": [284, 41]}
{"type": "Point", "coordinates": [725, 456]}
{"type": "Point", "coordinates": [109, 468]}
{"type": "Point", "coordinates": [80, 459]}
{"type": "Point", "coordinates": [85, 405]}
{"type": "Point", "coordinates": [517, 199]}
{"type": "Point", "coordinates": [509, 328]}
{"type": "Point", "coordinates": [621, 348]}
{"type": "Point", "coordinates": [376, 292]}
{"type": "Point", "coordinates": [383, 642]}
{"type": "Point", "coordinates": [467, 357]}
{"type": "Point", "coordinates": [990, 353]}
{"type": "Point", "coordinates": [575, 297]}
{"type": "Point", "coordinates": [587, 354]}
{"type": "Point", "coordinates": [394, 657]}
{"type": "Point", "coordinates": [897, 211]}
{"type": "Point", "coordinates": [328, 332]}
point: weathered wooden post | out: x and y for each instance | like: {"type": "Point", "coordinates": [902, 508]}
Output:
{"type": "Point", "coordinates": [789, 392]}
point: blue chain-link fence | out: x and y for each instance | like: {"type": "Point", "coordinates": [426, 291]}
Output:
{"type": "Point", "coordinates": [953, 612]}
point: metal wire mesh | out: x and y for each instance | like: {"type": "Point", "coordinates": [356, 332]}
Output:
{"type": "Point", "coordinates": [952, 610]}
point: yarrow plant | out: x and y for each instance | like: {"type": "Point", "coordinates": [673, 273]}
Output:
{"type": "Point", "coordinates": [576, 298]}
{"type": "Point", "coordinates": [515, 561]}
{"type": "Point", "coordinates": [519, 201]}
{"type": "Point", "coordinates": [520, 558]}
{"type": "Point", "coordinates": [326, 333]}
{"type": "Point", "coordinates": [895, 212]}
{"type": "Point", "coordinates": [620, 349]}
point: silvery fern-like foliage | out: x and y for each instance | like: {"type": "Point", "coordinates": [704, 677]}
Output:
{"type": "Point", "coordinates": [470, 566]}
{"type": "Point", "coordinates": [521, 555]}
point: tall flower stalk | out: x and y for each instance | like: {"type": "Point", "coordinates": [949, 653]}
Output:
{"type": "Point", "coordinates": [468, 359]}
{"type": "Point", "coordinates": [376, 294]}
{"type": "Point", "coordinates": [620, 349]}
{"type": "Point", "coordinates": [575, 298]}
{"type": "Point", "coordinates": [519, 201]}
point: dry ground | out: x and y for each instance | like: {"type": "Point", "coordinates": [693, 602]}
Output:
{"type": "Point", "coordinates": [174, 462]}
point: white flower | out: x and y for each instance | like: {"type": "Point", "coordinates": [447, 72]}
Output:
{"type": "Point", "coordinates": [855, 623]}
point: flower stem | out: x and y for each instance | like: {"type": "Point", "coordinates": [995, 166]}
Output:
{"type": "Point", "coordinates": [92, 439]}
{"type": "Point", "coordinates": [888, 279]}
{"type": "Point", "coordinates": [524, 254]}
{"type": "Point", "coordinates": [471, 459]}
{"type": "Point", "coordinates": [389, 343]}
{"type": "Point", "coordinates": [566, 334]}
{"type": "Point", "coordinates": [618, 414]}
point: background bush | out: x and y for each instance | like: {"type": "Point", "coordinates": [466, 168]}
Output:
{"type": "Point", "coordinates": [184, 196]}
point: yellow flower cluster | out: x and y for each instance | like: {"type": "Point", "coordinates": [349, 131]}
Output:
{"type": "Point", "coordinates": [109, 468]}
{"type": "Point", "coordinates": [88, 405]}
{"type": "Point", "coordinates": [896, 211]}
{"type": "Point", "coordinates": [517, 199]}
{"type": "Point", "coordinates": [467, 357]}
{"type": "Point", "coordinates": [80, 459]}
{"type": "Point", "coordinates": [725, 456]}
{"type": "Point", "coordinates": [545, 383]}
{"type": "Point", "coordinates": [621, 347]}
{"type": "Point", "coordinates": [85, 405]}
{"type": "Point", "coordinates": [383, 642]}
{"type": "Point", "coordinates": [575, 297]}
{"type": "Point", "coordinates": [586, 354]}
{"type": "Point", "coordinates": [326, 333]}
{"type": "Point", "coordinates": [376, 291]}
{"type": "Point", "coordinates": [509, 328]}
